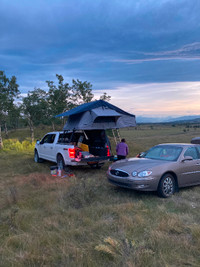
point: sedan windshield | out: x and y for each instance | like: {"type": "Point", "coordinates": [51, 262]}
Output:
{"type": "Point", "coordinates": [167, 152]}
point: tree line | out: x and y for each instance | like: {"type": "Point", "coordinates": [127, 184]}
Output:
{"type": "Point", "coordinates": [40, 106]}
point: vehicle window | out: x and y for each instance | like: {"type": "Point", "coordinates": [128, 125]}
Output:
{"type": "Point", "coordinates": [49, 138]}
{"type": "Point", "coordinates": [192, 152]}
{"type": "Point", "coordinates": [64, 138]}
{"type": "Point", "coordinates": [169, 153]}
{"type": "Point", "coordinates": [44, 140]}
{"type": "Point", "coordinates": [198, 148]}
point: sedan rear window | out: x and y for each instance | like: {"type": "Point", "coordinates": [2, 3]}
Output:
{"type": "Point", "coordinates": [168, 153]}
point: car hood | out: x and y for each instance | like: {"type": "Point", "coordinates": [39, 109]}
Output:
{"type": "Point", "coordinates": [138, 164]}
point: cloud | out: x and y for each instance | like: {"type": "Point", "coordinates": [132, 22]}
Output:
{"type": "Point", "coordinates": [135, 61]}
{"type": "Point", "coordinates": [186, 49]}
{"type": "Point", "coordinates": [157, 99]}
{"type": "Point", "coordinates": [112, 44]}
{"type": "Point", "coordinates": [186, 52]}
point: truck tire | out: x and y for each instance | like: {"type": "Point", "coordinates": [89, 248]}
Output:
{"type": "Point", "coordinates": [37, 159]}
{"type": "Point", "coordinates": [60, 161]}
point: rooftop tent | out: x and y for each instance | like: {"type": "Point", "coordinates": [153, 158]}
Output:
{"type": "Point", "coordinates": [96, 115]}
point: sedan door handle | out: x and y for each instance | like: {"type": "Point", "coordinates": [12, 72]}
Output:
{"type": "Point", "coordinates": [198, 163]}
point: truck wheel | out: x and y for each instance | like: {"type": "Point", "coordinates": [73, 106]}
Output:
{"type": "Point", "coordinates": [36, 157]}
{"type": "Point", "coordinates": [60, 161]}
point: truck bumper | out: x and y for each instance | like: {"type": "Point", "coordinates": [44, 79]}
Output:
{"type": "Point", "coordinates": [94, 159]}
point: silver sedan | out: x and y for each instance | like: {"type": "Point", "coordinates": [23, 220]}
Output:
{"type": "Point", "coordinates": [163, 168]}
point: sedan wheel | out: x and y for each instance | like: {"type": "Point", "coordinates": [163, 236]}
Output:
{"type": "Point", "coordinates": [166, 187]}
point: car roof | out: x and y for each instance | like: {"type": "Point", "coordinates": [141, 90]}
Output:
{"type": "Point", "coordinates": [54, 132]}
{"type": "Point", "coordinates": [178, 144]}
{"type": "Point", "coordinates": [61, 132]}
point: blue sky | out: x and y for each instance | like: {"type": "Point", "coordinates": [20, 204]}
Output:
{"type": "Point", "coordinates": [144, 53]}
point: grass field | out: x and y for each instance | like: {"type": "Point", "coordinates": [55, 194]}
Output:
{"type": "Point", "coordinates": [84, 221]}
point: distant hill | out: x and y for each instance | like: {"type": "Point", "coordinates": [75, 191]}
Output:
{"type": "Point", "coordinates": [197, 120]}
{"type": "Point", "coordinates": [141, 119]}
{"type": "Point", "coordinates": [182, 119]}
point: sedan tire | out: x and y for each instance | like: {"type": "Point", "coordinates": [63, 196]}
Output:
{"type": "Point", "coordinates": [166, 187]}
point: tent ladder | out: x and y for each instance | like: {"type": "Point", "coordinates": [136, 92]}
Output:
{"type": "Point", "coordinates": [116, 136]}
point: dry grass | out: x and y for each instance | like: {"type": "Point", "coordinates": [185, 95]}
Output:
{"type": "Point", "coordinates": [84, 221]}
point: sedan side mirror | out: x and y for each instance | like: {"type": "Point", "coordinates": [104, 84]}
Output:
{"type": "Point", "coordinates": [141, 155]}
{"type": "Point", "coordinates": [186, 158]}
{"type": "Point", "coordinates": [38, 142]}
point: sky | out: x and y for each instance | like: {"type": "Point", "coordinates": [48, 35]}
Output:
{"type": "Point", "coordinates": [144, 53]}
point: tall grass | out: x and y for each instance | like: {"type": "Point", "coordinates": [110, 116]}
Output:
{"type": "Point", "coordinates": [84, 221]}
{"type": "Point", "coordinates": [16, 145]}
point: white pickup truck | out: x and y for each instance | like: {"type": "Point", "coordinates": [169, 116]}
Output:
{"type": "Point", "coordinates": [89, 147]}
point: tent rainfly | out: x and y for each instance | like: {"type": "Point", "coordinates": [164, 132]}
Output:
{"type": "Point", "coordinates": [97, 115]}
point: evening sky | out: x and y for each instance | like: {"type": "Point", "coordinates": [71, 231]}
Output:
{"type": "Point", "coordinates": [144, 53]}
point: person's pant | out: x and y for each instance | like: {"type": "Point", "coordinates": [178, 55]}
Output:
{"type": "Point", "coordinates": [120, 157]}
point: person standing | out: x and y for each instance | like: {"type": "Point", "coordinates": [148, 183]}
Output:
{"type": "Point", "coordinates": [122, 149]}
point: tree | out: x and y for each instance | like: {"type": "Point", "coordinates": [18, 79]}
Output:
{"type": "Point", "coordinates": [81, 92]}
{"type": "Point", "coordinates": [58, 98]}
{"type": "Point", "coordinates": [41, 107]}
{"type": "Point", "coordinates": [105, 97]}
{"type": "Point", "coordinates": [8, 93]}
{"type": "Point", "coordinates": [13, 117]}
{"type": "Point", "coordinates": [35, 109]}
{"type": "Point", "coordinates": [64, 97]}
